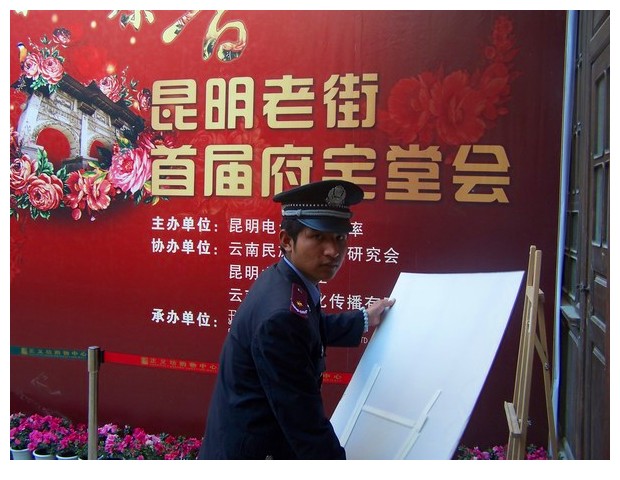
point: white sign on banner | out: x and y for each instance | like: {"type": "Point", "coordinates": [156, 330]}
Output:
{"type": "Point", "coordinates": [418, 380]}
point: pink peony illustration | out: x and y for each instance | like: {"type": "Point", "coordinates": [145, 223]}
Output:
{"type": "Point", "coordinates": [45, 192]}
{"type": "Point", "coordinates": [112, 87]}
{"type": "Point", "coordinates": [32, 65]}
{"type": "Point", "coordinates": [23, 169]}
{"type": "Point", "coordinates": [130, 169]}
{"type": "Point", "coordinates": [52, 70]}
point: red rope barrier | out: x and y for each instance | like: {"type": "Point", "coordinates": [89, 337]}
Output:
{"type": "Point", "coordinates": [157, 362]}
{"type": "Point", "coordinates": [340, 378]}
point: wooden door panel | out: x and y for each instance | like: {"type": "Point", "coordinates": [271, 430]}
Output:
{"type": "Point", "coordinates": [596, 384]}
{"type": "Point", "coordinates": [584, 330]}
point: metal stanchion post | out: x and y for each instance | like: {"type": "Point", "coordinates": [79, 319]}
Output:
{"type": "Point", "coordinates": [94, 360]}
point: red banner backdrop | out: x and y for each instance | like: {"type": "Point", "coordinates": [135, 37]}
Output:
{"type": "Point", "coordinates": [146, 145]}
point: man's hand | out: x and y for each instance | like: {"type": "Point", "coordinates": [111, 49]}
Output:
{"type": "Point", "coordinates": [376, 310]}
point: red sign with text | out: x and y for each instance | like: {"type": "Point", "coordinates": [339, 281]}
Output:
{"type": "Point", "coordinates": [146, 147]}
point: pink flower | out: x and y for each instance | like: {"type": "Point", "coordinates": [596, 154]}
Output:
{"type": "Point", "coordinates": [130, 169]}
{"type": "Point", "coordinates": [32, 65]}
{"type": "Point", "coordinates": [73, 441]}
{"type": "Point", "coordinates": [149, 139]}
{"type": "Point", "coordinates": [535, 453]}
{"type": "Point", "coordinates": [45, 192]}
{"type": "Point", "coordinates": [144, 97]}
{"type": "Point", "coordinates": [46, 432]}
{"type": "Point", "coordinates": [111, 87]}
{"type": "Point", "coordinates": [22, 171]}
{"type": "Point", "coordinates": [61, 36]}
{"type": "Point", "coordinates": [110, 443]}
{"type": "Point", "coordinates": [15, 144]}
{"type": "Point", "coordinates": [61, 436]}
{"type": "Point", "coordinates": [108, 428]}
{"type": "Point", "coordinates": [52, 70]}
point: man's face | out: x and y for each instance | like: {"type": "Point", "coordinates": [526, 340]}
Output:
{"type": "Point", "coordinates": [318, 255]}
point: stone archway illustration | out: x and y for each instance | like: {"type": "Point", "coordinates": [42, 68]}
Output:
{"type": "Point", "coordinates": [82, 113]}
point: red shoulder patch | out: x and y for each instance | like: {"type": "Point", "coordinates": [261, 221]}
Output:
{"type": "Point", "coordinates": [299, 301]}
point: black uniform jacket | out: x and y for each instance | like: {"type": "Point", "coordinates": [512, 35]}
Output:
{"type": "Point", "coordinates": [267, 398]}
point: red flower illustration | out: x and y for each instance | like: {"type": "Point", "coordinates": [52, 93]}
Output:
{"type": "Point", "coordinates": [458, 110]}
{"type": "Point", "coordinates": [409, 117]}
{"type": "Point", "coordinates": [77, 190]}
{"type": "Point", "coordinates": [494, 85]}
{"type": "Point", "coordinates": [454, 108]}
{"type": "Point", "coordinates": [98, 193]}
{"type": "Point", "coordinates": [92, 191]}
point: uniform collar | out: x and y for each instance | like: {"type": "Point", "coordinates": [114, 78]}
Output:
{"type": "Point", "coordinates": [313, 289]}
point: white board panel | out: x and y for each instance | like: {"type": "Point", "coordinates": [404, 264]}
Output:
{"type": "Point", "coordinates": [418, 380]}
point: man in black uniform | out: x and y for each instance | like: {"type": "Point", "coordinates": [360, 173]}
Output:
{"type": "Point", "coordinates": [267, 400]}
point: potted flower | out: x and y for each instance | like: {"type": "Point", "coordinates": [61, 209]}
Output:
{"type": "Point", "coordinates": [533, 452]}
{"type": "Point", "coordinates": [20, 437]}
{"type": "Point", "coordinates": [498, 452]}
{"type": "Point", "coordinates": [82, 450]}
{"type": "Point", "coordinates": [59, 438]}
{"type": "Point", "coordinates": [144, 446]}
{"type": "Point", "coordinates": [46, 432]}
{"type": "Point", "coordinates": [183, 448]}
{"type": "Point", "coordinates": [102, 435]}
{"type": "Point", "coordinates": [42, 444]}
{"type": "Point", "coordinates": [72, 443]}
{"type": "Point", "coordinates": [115, 442]}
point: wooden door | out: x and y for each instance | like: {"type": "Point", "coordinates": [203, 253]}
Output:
{"type": "Point", "coordinates": [584, 370]}
{"type": "Point", "coordinates": [596, 301]}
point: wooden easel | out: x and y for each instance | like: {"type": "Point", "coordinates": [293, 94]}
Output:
{"type": "Point", "coordinates": [533, 336]}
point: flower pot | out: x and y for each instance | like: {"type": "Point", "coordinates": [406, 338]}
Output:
{"type": "Point", "coordinates": [43, 455]}
{"type": "Point", "coordinates": [66, 456]}
{"type": "Point", "coordinates": [21, 454]}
